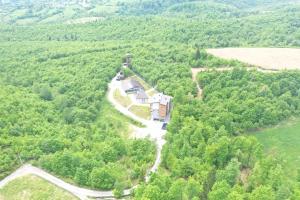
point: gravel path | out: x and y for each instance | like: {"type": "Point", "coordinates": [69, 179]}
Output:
{"type": "Point", "coordinates": [152, 130]}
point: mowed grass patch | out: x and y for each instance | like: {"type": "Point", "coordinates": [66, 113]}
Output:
{"type": "Point", "coordinates": [117, 120]}
{"type": "Point", "coordinates": [283, 141]}
{"type": "Point", "coordinates": [123, 100]}
{"type": "Point", "coordinates": [33, 188]}
{"type": "Point", "coordinates": [141, 111]}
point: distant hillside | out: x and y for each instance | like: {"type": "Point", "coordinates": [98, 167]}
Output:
{"type": "Point", "coordinates": [81, 11]}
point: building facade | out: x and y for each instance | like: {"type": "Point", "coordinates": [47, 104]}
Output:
{"type": "Point", "coordinates": [160, 105]}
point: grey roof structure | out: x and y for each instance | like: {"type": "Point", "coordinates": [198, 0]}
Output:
{"type": "Point", "coordinates": [161, 99]}
{"type": "Point", "coordinates": [131, 84]}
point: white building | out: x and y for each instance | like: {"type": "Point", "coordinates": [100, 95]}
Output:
{"type": "Point", "coordinates": [160, 105]}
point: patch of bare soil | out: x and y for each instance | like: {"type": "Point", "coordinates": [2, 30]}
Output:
{"type": "Point", "coordinates": [244, 175]}
{"type": "Point", "coordinates": [268, 58]}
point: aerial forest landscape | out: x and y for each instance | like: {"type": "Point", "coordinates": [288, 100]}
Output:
{"type": "Point", "coordinates": [150, 99]}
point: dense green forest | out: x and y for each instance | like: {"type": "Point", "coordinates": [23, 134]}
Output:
{"type": "Point", "coordinates": [208, 156]}
{"type": "Point", "coordinates": [44, 12]}
{"type": "Point", "coordinates": [59, 118]}
{"type": "Point", "coordinates": [248, 100]}
{"type": "Point", "coordinates": [269, 29]}
{"type": "Point", "coordinates": [54, 113]}
{"type": "Point", "coordinates": [206, 23]}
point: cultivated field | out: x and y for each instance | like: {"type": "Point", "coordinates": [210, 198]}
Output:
{"type": "Point", "coordinates": [267, 58]}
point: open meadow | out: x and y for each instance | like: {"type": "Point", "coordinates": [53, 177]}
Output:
{"type": "Point", "coordinates": [283, 141]}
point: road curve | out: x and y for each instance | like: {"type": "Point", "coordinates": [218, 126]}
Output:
{"type": "Point", "coordinates": [151, 127]}
{"type": "Point", "coordinates": [81, 193]}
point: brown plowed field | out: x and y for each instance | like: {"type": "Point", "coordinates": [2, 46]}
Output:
{"type": "Point", "coordinates": [268, 58]}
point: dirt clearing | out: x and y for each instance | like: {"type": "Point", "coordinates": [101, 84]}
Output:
{"type": "Point", "coordinates": [268, 58]}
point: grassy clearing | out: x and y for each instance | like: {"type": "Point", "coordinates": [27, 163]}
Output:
{"type": "Point", "coordinates": [110, 114]}
{"type": "Point", "coordinates": [123, 100]}
{"type": "Point", "coordinates": [33, 188]}
{"type": "Point", "coordinates": [141, 111]}
{"type": "Point", "coordinates": [284, 141]}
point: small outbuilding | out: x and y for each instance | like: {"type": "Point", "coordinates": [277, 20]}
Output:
{"type": "Point", "coordinates": [142, 97]}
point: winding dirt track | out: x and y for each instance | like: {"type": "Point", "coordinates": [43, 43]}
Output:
{"type": "Point", "coordinates": [151, 127]}
{"type": "Point", "coordinates": [195, 71]}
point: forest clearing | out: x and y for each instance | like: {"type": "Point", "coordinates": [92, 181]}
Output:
{"type": "Point", "coordinates": [267, 58]}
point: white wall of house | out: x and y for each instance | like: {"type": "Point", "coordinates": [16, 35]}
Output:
{"type": "Point", "coordinates": [155, 110]}
{"type": "Point", "coordinates": [142, 101]}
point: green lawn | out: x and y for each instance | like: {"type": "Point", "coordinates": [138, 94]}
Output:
{"type": "Point", "coordinates": [123, 100]}
{"type": "Point", "coordinates": [284, 141]}
{"type": "Point", "coordinates": [33, 188]}
{"type": "Point", "coordinates": [141, 111]}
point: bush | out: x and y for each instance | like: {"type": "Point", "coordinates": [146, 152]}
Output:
{"type": "Point", "coordinates": [45, 93]}
{"type": "Point", "coordinates": [101, 178]}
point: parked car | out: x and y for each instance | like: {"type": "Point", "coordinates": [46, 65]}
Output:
{"type": "Point", "coordinates": [164, 126]}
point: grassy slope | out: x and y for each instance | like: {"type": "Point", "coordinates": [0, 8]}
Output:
{"type": "Point", "coordinates": [123, 100]}
{"type": "Point", "coordinates": [284, 141]}
{"type": "Point", "coordinates": [33, 188]}
{"type": "Point", "coordinates": [141, 111]}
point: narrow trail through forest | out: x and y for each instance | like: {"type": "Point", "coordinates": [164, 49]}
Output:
{"type": "Point", "coordinates": [152, 130]}
{"type": "Point", "coordinates": [195, 72]}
